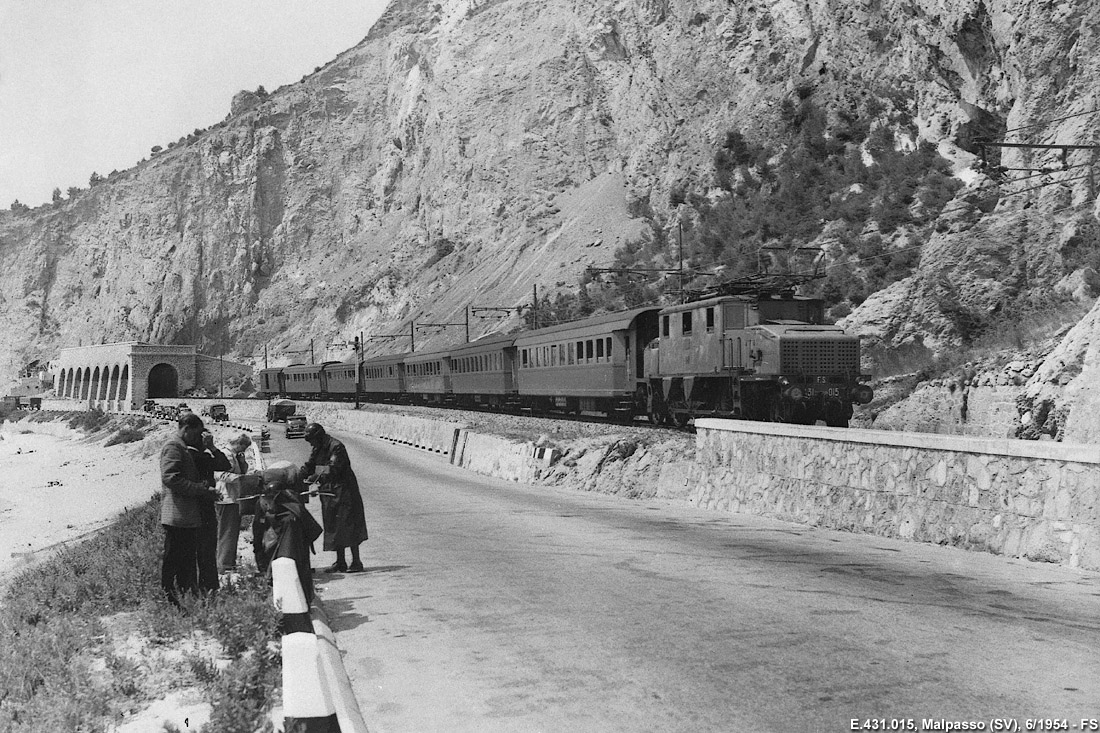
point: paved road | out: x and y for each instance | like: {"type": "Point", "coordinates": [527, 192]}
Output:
{"type": "Point", "coordinates": [491, 606]}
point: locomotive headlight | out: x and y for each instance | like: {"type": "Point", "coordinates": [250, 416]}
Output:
{"type": "Point", "coordinates": [862, 394]}
{"type": "Point", "coordinates": [795, 394]}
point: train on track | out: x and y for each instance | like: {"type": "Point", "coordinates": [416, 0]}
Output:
{"type": "Point", "coordinates": [748, 353]}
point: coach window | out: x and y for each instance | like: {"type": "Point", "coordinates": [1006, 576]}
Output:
{"type": "Point", "coordinates": [572, 353]}
{"type": "Point", "coordinates": [608, 340]}
{"type": "Point", "coordinates": [523, 359]}
{"type": "Point", "coordinates": [588, 350]}
{"type": "Point", "coordinates": [710, 320]}
{"type": "Point", "coordinates": [686, 323]}
{"type": "Point", "coordinates": [599, 349]}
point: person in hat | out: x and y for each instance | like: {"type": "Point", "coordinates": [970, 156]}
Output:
{"type": "Point", "coordinates": [342, 515]}
{"type": "Point", "coordinates": [187, 490]}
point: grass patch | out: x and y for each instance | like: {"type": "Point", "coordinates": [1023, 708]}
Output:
{"type": "Point", "coordinates": [89, 421]}
{"type": "Point", "coordinates": [59, 669]}
{"type": "Point", "coordinates": [131, 430]}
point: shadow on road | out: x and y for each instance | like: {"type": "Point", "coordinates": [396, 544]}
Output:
{"type": "Point", "coordinates": [341, 611]}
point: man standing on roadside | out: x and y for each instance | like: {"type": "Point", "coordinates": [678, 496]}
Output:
{"type": "Point", "coordinates": [229, 507]}
{"type": "Point", "coordinates": [210, 461]}
{"type": "Point", "coordinates": [341, 503]}
{"type": "Point", "coordinates": [186, 490]}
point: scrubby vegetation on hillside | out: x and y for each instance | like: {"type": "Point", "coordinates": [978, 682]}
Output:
{"type": "Point", "coordinates": [863, 194]}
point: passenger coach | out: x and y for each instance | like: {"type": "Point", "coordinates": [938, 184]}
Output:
{"type": "Point", "coordinates": [384, 378]}
{"type": "Point", "coordinates": [587, 366]}
{"type": "Point", "coordinates": [428, 376]}
{"type": "Point", "coordinates": [483, 372]}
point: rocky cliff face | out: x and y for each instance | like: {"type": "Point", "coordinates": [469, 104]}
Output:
{"type": "Point", "coordinates": [466, 151]}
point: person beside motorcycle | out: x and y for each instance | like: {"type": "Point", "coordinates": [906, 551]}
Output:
{"type": "Point", "coordinates": [342, 514]}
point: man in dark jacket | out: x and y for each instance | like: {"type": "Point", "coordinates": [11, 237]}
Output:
{"type": "Point", "coordinates": [210, 461]}
{"type": "Point", "coordinates": [185, 491]}
{"type": "Point", "coordinates": [341, 503]}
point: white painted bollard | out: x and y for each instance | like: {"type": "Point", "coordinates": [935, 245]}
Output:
{"type": "Point", "coordinates": [307, 702]}
{"type": "Point", "coordinates": [286, 591]}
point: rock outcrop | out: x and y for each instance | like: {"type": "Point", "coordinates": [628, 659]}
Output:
{"type": "Point", "coordinates": [467, 150]}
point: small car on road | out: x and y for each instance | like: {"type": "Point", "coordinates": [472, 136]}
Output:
{"type": "Point", "coordinates": [219, 413]}
{"type": "Point", "coordinates": [296, 426]}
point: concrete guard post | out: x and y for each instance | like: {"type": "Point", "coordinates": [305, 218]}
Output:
{"type": "Point", "coordinates": [289, 597]}
{"type": "Point", "coordinates": [317, 694]}
{"type": "Point", "coordinates": [307, 702]}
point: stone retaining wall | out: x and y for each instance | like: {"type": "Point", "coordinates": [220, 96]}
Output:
{"type": "Point", "coordinates": [1039, 500]}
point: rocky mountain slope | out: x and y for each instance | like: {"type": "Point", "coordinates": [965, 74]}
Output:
{"type": "Point", "coordinates": [467, 151]}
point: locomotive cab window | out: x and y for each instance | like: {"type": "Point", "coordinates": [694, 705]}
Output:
{"type": "Point", "coordinates": [710, 320]}
{"type": "Point", "coordinates": [664, 325]}
{"type": "Point", "coordinates": [686, 323]}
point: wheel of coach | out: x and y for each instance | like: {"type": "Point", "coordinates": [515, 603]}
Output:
{"type": "Point", "coordinates": [342, 512]}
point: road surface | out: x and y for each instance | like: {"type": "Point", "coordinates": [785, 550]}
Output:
{"type": "Point", "coordinates": [492, 606]}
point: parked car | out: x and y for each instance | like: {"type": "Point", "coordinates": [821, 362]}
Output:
{"type": "Point", "coordinates": [149, 406]}
{"type": "Point", "coordinates": [35, 403]}
{"type": "Point", "coordinates": [296, 426]}
{"type": "Point", "coordinates": [218, 413]}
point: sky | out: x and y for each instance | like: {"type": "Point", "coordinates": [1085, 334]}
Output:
{"type": "Point", "coordinates": [91, 85]}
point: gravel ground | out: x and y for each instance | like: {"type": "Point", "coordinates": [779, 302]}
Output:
{"type": "Point", "coordinates": [538, 429]}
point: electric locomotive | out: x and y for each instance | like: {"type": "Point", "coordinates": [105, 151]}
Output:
{"type": "Point", "coordinates": [755, 353]}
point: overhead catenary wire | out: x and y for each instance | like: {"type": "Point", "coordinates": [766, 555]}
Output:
{"type": "Point", "coordinates": [1043, 123]}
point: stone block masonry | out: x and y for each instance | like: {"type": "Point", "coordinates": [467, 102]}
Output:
{"type": "Point", "coordinates": [1038, 500]}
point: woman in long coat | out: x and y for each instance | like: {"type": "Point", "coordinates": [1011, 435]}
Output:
{"type": "Point", "coordinates": [341, 503]}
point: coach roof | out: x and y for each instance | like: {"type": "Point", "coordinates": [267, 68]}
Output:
{"type": "Point", "coordinates": [605, 323]}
